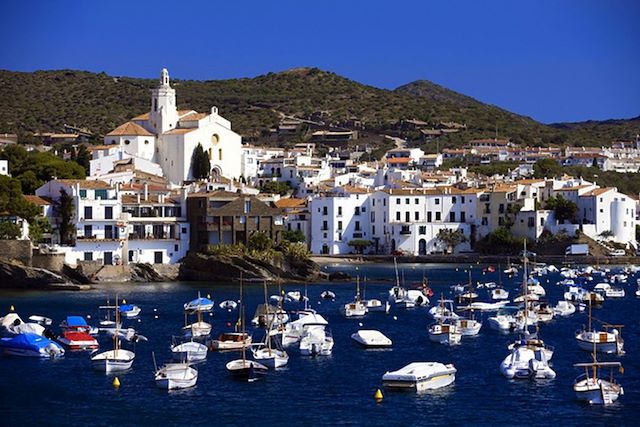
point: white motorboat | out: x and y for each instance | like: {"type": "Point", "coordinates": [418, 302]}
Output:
{"type": "Point", "coordinates": [328, 295]}
{"type": "Point", "coordinates": [189, 351]}
{"type": "Point", "coordinates": [12, 324]}
{"type": "Point", "coordinates": [445, 333]}
{"type": "Point", "coordinates": [533, 341]}
{"type": "Point", "coordinates": [316, 341]}
{"type": "Point", "coordinates": [484, 306]}
{"type": "Point", "coordinates": [376, 306]}
{"type": "Point", "coordinates": [499, 294]}
{"type": "Point", "coordinates": [564, 308]}
{"type": "Point", "coordinates": [371, 338]}
{"type": "Point", "coordinates": [525, 362]}
{"type": "Point", "coordinates": [40, 320]}
{"type": "Point", "coordinates": [228, 305]}
{"type": "Point", "coordinates": [530, 297]}
{"type": "Point", "coordinates": [176, 376]}
{"type": "Point", "coordinates": [536, 289]}
{"type": "Point", "coordinates": [505, 319]}
{"type": "Point", "coordinates": [574, 293]}
{"type": "Point", "coordinates": [292, 332]}
{"type": "Point", "coordinates": [544, 312]}
{"type": "Point", "coordinates": [444, 310]}
{"type": "Point", "coordinates": [420, 376]}
{"type": "Point", "coordinates": [295, 296]}
{"type": "Point", "coordinates": [609, 291]}
{"type": "Point", "coordinates": [129, 311]}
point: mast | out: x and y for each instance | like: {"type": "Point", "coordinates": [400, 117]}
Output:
{"type": "Point", "coordinates": [395, 264]}
{"type": "Point", "coordinates": [358, 288]}
{"type": "Point", "coordinates": [269, 317]}
{"type": "Point", "coordinates": [116, 340]}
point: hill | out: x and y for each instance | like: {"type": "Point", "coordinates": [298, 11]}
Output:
{"type": "Point", "coordinates": [46, 100]}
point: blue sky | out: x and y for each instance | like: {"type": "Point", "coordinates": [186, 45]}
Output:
{"type": "Point", "coordinates": [552, 60]}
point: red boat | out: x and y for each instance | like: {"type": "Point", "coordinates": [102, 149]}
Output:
{"type": "Point", "coordinates": [78, 340]}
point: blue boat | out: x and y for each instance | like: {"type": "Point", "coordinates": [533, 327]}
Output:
{"type": "Point", "coordinates": [129, 310]}
{"type": "Point", "coordinates": [30, 345]}
{"type": "Point", "coordinates": [199, 304]}
{"type": "Point", "coordinates": [77, 323]}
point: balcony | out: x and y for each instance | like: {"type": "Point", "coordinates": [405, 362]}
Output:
{"type": "Point", "coordinates": [357, 235]}
{"type": "Point", "coordinates": [405, 230]}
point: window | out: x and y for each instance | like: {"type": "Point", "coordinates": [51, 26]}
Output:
{"type": "Point", "coordinates": [83, 194]}
{"type": "Point", "coordinates": [88, 212]}
{"type": "Point", "coordinates": [407, 216]}
{"type": "Point", "coordinates": [530, 222]}
{"type": "Point", "coordinates": [357, 225]}
{"type": "Point", "coordinates": [339, 225]}
{"type": "Point", "coordinates": [339, 236]}
{"type": "Point", "coordinates": [108, 232]}
{"type": "Point", "coordinates": [88, 256]}
{"type": "Point", "coordinates": [437, 201]}
{"type": "Point", "coordinates": [364, 209]}
{"type": "Point", "coordinates": [357, 210]}
{"type": "Point", "coordinates": [428, 216]}
{"type": "Point", "coordinates": [463, 217]}
{"type": "Point", "coordinates": [501, 208]}
{"type": "Point", "coordinates": [416, 216]}
{"type": "Point", "coordinates": [220, 154]}
{"type": "Point", "coordinates": [325, 225]}
{"type": "Point", "coordinates": [325, 210]}
{"type": "Point", "coordinates": [184, 230]}
{"type": "Point", "coordinates": [397, 216]}
{"type": "Point", "coordinates": [127, 142]}
{"type": "Point", "coordinates": [88, 231]}
{"type": "Point", "coordinates": [100, 194]}
{"type": "Point", "coordinates": [146, 141]}
{"type": "Point", "coordinates": [384, 202]}
{"type": "Point", "coordinates": [108, 212]}
{"type": "Point", "coordinates": [422, 229]}
{"type": "Point", "coordinates": [247, 206]}
{"type": "Point", "coordinates": [397, 200]}
{"type": "Point", "coordinates": [484, 221]}
{"type": "Point", "coordinates": [438, 216]}
{"type": "Point", "coordinates": [461, 199]}
{"type": "Point", "coordinates": [373, 202]}
{"type": "Point", "coordinates": [416, 201]}
{"type": "Point", "coordinates": [452, 217]}
{"type": "Point", "coordinates": [175, 248]}
{"type": "Point", "coordinates": [500, 220]}
{"type": "Point", "coordinates": [406, 201]}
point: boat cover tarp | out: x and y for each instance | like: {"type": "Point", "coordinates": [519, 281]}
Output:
{"type": "Point", "coordinates": [126, 307]}
{"type": "Point", "coordinates": [26, 341]}
{"type": "Point", "coordinates": [76, 321]}
{"type": "Point", "coordinates": [200, 301]}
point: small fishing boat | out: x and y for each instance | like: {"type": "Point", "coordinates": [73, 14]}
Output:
{"type": "Point", "coordinates": [355, 308]}
{"type": "Point", "coordinates": [609, 291]}
{"type": "Point", "coordinates": [189, 351]}
{"type": "Point", "coordinates": [607, 340]}
{"type": "Point", "coordinates": [78, 340]}
{"type": "Point", "coordinates": [328, 295]}
{"type": "Point", "coordinates": [174, 376]}
{"type": "Point", "coordinates": [505, 319]}
{"type": "Point", "coordinates": [197, 329]}
{"type": "Point", "coordinates": [268, 354]}
{"type": "Point", "coordinates": [30, 345]}
{"type": "Point", "coordinates": [230, 341]}
{"type": "Point", "coordinates": [510, 270]}
{"type": "Point", "coordinates": [444, 310]}
{"type": "Point", "coordinates": [420, 376]}
{"type": "Point", "coordinates": [592, 388]}
{"type": "Point", "coordinates": [199, 304]}
{"type": "Point", "coordinates": [564, 308]}
{"type": "Point", "coordinates": [129, 311]}
{"type": "Point", "coordinates": [484, 306]}
{"type": "Point", "coordinates": [266, 313]}
{"type": "Point", "coordinates": [116, 360]}
{"type": "Point", "coordinates": [376, 306]}
{"type": "Point", "coordinates": [247, 370]}
{"type": "Point", "coordinates": [371, 339]}
{"type": "Point", "coordinates": [445, 333]}
{"type": "Point", "coordinates": [544, 312]}
{"type": "Point", "coordinates": [499, 294]}
{"type": "Point", "coordinates": [228, 305]}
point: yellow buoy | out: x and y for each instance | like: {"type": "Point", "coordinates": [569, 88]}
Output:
{"type": "Point", "coordinates": [12, 308]}
{"type": "Point", "coordinates": [378, 396]}
{"type": "Point", "coordinates": [116, 382]}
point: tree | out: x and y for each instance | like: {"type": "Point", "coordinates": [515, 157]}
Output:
{"type": "Point", "coordinates": [276, 187]}
{"type": "Point", "coordinates": [65, 210]}
{"type": "Point", "coordinates": [359, 245]}
{"type": "Point", "coordinates": [565, 210]}
{"type": "Point", "coordinates": [260, 242]}
{"type": "Point", "coordinates": [293, 236]}
{"type": "Point", "coordinates": [547, 168]}
{"type": "Point", "coordinates": [451, 238]}
{"type": "Point", "coordinates": [29, 182]}
{"type": "Point", "coordinates": [38, 228]}
{"type": "Point", "coordinates": [9, 230]}
{"type": "Point", "coordinates": [12, 201]}
{"type": "Point", "coordinates": [499, 241]}
{"type": "Point", "coordinates": [606, 234]}
{"type": "Point", "coordinates": [82, 156]}
{"type": "Point", "coordinates": [200, 164]}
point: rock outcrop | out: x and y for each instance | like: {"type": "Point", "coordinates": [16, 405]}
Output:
{"type": "Point", "coordinates": [14, 275]}
{"type": "Point", "coordinates": [220, 268]}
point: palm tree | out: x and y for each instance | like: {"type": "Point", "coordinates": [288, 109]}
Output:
{"type": "Point", "coordinates": [451, 238]}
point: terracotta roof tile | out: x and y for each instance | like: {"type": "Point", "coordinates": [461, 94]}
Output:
{"type": "Point", "coordinates": [290, 203]}
{"type": "Point", "coordinates": [129, 129]}
{"type": "Point", "coordinates": [40, 201]}
{"type": "Point", "coordinates": [86, 183]}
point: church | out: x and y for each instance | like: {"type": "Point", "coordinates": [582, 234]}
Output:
{"type": "Point", "coordinates": [168, 137]}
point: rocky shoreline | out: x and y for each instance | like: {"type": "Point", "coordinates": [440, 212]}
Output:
{"type": "Point", "coordinates": [470, 259]}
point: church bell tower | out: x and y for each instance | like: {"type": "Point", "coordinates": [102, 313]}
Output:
{"type": "Point", "coordinates": [164, 114]}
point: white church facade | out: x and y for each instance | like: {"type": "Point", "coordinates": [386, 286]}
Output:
{"type": "Point", "coordinates": [168, 137]}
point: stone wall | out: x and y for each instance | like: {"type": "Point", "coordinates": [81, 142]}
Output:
{"type": "Point", "coordinates": [16, 250]}
{"type": "Point", "coordinates": [51, 262]}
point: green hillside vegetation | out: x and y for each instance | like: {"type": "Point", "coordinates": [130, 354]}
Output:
{"type": "Point", "coordinates": [46, 100]}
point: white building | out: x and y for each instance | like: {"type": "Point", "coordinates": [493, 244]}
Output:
{"type": "Point", "coordinates": [4, 167]}
{"type": "Point", "coordinates": [252, 156]}
{"type": "Point", "coordinates": [168, 136]}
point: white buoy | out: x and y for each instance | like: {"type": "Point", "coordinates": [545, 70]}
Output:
{"type": "Point", "coordinates": [139, 320]}
{"type": "Point", "coordinates": [155, 317]}
{"type": "Point", "coordinates": [360, 324]}
{"type": "Point", "coordinates": [88, 316]}
{"type": "Point", "coordinates": [395, 317]}
{"type": "Point", "coordinates": [155, 309]}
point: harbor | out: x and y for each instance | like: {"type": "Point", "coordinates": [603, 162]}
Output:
{"type": "Point", "coordinates": [345, 381]}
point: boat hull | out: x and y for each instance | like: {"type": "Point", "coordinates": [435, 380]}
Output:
{"type": "Point", "coordinates": [108, 362]}
{"type": "Point", "coordinates": [600, 392]}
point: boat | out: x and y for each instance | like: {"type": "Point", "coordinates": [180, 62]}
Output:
{"type": "Point", "coordinates": [189, 351]}
{"type": "Point", "coordinates": [265, 352]}
{"type": "Point", "coordinates": [510, 270]}
{"type": "Point", "coordinates": [295, 296]}
{"type": "Point", "coordinates": [78, 340]}
{"type": "Point", "coordinates": [525, 362]}
{"type": "Point", "coordinates": [544, 312]}
{"type": "Point", "coordinates": [228, 305]}
{"type": "Point", "coordinates": [443, 310]}
{"type": "Point", "coordinates": [468, 325]}
{"type": "Point", "coordinates": [574, 293]}
{"type": "Point", "coordinates": [316, 340]}
{"type": "Point", "coordinates": [230, 341]}
{"type": "Point", "coordinates": [246, 370]}
{"type": "Point", "coordinates": [484, 306]}
{"type": "Point", "coordinates": [603, 341]}
{"type": "Point", "coordinates": [30, 345]}
{"type": "Point", "coordinates": [564, 308]}
{"type": "Point", "coordinates": [12, 324]}
{"type": "Point", "coordinates": [40, 320]}
{"type": "Point", "coordinates": [445, 333]}
{"type": "Point", "coordinates": [77, 323]}
{"type": "Point", "coordinates": [499, 294]}
{"type": "Point", "coordinates": [376, 306]}
{"type": "Point", "coordinates": [199, 304]}
{"type": "Point", "coordinates": [129, 311]}
{"type": "Point", "coordinates": [595, 298]}
{"type": "Point", "coordinates": [174, 376]}
{"type": "Point", "coordinates": [398, 295]}
{"type": "Point", "coordinates": [592, 388]}
{"type": "Point", "coordinates": [420, 376]}
{"type": "Point", "coordinates": [328, 295]}
{"type": "Point", "coordinates": [266, 313]}
{"type": "Point", "coordinates": [505, 319]}
{"type": "Point", "coordinates": [116, 360]}
{"type": "Point", "coordinates": [292, 332]}
{"type": "Point", "coordinates": [609, 291]}
{"type": "Point", "coordinates": [533, 341]}
{"type": "Point", "coordinates": [355, 308]}
{"type": "Point", "coordinates": [370, 338]}
{"type": "Point", "coordinates": [638, 289]}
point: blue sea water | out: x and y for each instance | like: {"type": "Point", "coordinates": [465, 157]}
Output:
{"type": "Point", "coordinates": [335, 390]}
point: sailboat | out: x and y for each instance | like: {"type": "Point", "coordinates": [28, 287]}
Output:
{"type": "Point", "coordinates": [115, 360]}
{"type": "Point", "coordinates": [197, 329]}
{"type": "Point", "coordinates": [445, 331]}
{"type": "Point", "coordinates": [236, 340]}
{"type": "Point", "coordinates": [510, 270]}
{"type": "Point", "coordinates": [374, 305]}
{"type": "Point", "coordinates": [355, 308]}
{"type": "Point", "coordinates": [270, 357]}
{"type": "Point", "coordinates": [594, 389]}
{"type": "Point", "coordinates": [605, 341]}
{"type": "Point", "coordinates": [175, 375]}
{"type": "Point", "coordinates": [188, 351]}
{"type": "Point", "coordinates": [468, 325]}
{"type": "Point", "coordinates": [499, 293]}
{"type": "Point", "coordinates": [398, 295]}
{"type": "Point", "coordinates": [247, 370]}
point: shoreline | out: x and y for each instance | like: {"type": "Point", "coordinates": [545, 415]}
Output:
{"type": "Point", "coordinates": [471, 259]}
